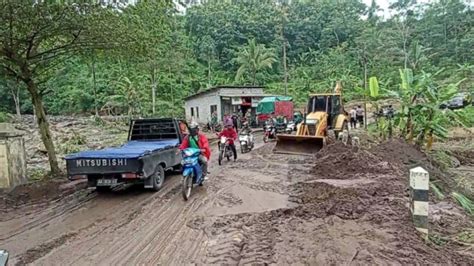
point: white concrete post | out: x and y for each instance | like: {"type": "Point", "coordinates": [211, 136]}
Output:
{"type": "Point", "coordinates": [419, 188]}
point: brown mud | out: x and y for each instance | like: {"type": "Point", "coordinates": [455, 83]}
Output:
{"type": "Point", "coordinates": [343, 206]}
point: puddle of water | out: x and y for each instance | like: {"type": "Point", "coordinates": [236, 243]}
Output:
{"type": "Point", "coordinates": [251, 201]}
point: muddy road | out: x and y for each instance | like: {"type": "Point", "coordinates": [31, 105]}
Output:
{"type": "Point", "coordinates": [342, 206]}
{"type": "Point", "coordinates": [130, 226]}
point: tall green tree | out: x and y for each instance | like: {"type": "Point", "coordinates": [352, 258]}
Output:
{"type": "Point", "coordinates": [252, 59]}
{"type": "Point", "coordinates": [37, 35]}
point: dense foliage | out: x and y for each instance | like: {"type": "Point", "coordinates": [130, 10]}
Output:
{"type": "Point", "coordinates": [178, 54]}
{"type": "Point", "coordinates": [142, 59]}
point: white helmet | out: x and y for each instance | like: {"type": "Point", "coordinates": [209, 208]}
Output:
{"type": "Point", "coordinates": [193, 125]}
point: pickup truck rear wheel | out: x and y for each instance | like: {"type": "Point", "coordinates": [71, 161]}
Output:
{"type": "Point", "coordinates": [158, 178]}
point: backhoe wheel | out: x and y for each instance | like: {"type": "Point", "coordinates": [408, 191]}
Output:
{"type": "Point", "coordinates": [158, 178]}
{"type": "Point", "coordinates": [331, 136]}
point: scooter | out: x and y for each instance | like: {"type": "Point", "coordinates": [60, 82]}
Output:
{"type": "Point", "coordinates": [192, 171]}
{"type": "Point", "coordinates": [290, 127]}
{"type": "Point", "coordinates": [3, 257]}
{"type": "Point", "coordinates": [269, 133]}
{"type": "Point", "coordinates": [246, 142]}
{"type": "Point", "coordinates": [224, 150]}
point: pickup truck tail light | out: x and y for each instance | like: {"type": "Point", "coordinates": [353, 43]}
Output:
{"type": "Point", "coordinates": [76, 177]}
{"type": "Point", "coordinates": [129, 175]}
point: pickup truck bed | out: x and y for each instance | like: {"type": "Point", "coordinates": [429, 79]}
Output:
{"type": "Point", "coordinates": [151, 149]}
{"type": "Point", "coordinates": [131, 149]}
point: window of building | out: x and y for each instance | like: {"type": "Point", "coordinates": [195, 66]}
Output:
{"type": "Point", "coordinates": [192, 112]}
{"type": "Point", "coordinates": [197, 112]}
{"type": "Point", "coordinates": [213, 109]}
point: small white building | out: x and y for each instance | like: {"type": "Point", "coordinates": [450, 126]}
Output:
{"type": "Point", "coordinates": [223, 100]}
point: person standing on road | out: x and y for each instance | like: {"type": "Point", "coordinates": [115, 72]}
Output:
{"type": "Point", "coordinates": [353, 117]}
{"type": "Point", "coordinates": [360, 115]}
{"type": "Point", "coordinates": [230, 133]}
{"type": "Point", "coordinates": [197, 140]}
{"type": "Point", "coordinates": [213, 121]}
{"type": "Point", "coordinates": [235, 122]}
{"type": "Point", "coordinates": [227, 118]}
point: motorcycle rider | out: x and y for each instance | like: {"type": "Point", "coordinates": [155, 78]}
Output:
{"type": "Point", "coordinates": [197, 140]}
{"type": "Point", "coordinates": [230, 133]}
{"type": "Point", "coordinates": [271, 124]}
{"type": "Point", "coordinates": [246, 130]}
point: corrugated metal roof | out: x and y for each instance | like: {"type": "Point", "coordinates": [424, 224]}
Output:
{"type": "Point", "coordinates": [213, 89]}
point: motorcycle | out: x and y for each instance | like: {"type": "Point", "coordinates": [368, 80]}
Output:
{"type": "Point", "coordinates": [269, 133]}
{"type": "Point", "coordinates": [224, 150]}
{"type": "Point", "coordinates": [246, 142]}
{"type": "Point", "coordinates": [192, 171]}
{"type": "Point", "coordinates": [290, 127]}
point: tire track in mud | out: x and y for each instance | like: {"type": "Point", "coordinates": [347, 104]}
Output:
{"type": "Point", "coordinates": [150, 229]}
{"type": "Point", "coordinates": [48, 215]}
{"type": "Point", "coordinates": [152, 233]}
{"type": "Point", "coordinates": [95, 241]}
{"type": "Point", "coordinates": [244, 238]}
{"type": "Point", "coordinates": [118, 209]}
{"type": "Point", "coordinates": [121, 228]}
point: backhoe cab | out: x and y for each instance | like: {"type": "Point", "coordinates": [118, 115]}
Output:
{"type": "Point", "coordinates": [325, 112]}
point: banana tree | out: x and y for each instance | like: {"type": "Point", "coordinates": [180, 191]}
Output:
{"type": "Point", "coordinates": [433, 121]}
{"type": "Point", "coordinates": [421, 116]}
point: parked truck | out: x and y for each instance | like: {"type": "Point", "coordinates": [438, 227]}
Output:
{"type": "Point", "coordinates": [150, 151]}
{"type": "Point", "coordinates": [276, 105]}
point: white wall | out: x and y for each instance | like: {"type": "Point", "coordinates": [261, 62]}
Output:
{"type": "Point", "coordinates": [203, 102]}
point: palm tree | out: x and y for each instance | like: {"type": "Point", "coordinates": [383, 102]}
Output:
{"type": "Point", "coordinates": [252, 59]}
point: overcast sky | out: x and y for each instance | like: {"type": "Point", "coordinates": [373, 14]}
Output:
{"type": "Point", "coordinates": [384, 4]}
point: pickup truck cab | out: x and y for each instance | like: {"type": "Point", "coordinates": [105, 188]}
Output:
{"type": "Point", "coordinates": [150, 151]}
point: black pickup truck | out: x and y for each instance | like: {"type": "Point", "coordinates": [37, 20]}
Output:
{"type": "Point", "coordinates": [151, 149]}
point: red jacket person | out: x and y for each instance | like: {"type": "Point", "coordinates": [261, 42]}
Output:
{"type": "Point", "coordinates": [230, 133]}
{"type": "Point", "coordinates": [197, 140]}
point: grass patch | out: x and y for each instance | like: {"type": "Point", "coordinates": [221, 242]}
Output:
{"type": "Point", "coordinates": [466, 236]}
{"type": "Point", "coordinates": [4, 117]}
{"type": "Point", "coordinates": [37, 174]}
{"type": "Point", "coordinates": [98, 121]}
{"type": "Point", "coordinates": [442, 159]}
{"type": "Point", "coordinates": [465, 202]}
{"type": "Point", "coordinates": [73, 144]}
{"type": "Point", "coordinates": [437, 191]}
{"type": "Point", "coordinates": [437, 239]}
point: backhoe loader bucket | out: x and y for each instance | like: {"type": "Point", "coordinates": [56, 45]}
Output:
{"type": "Point", "coordinates": [299, 145]}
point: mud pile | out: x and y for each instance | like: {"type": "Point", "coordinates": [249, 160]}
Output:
{"type": "Point", "coordinates": [351, 207]}
{"type": "Point", "coordinates": [342, 162]}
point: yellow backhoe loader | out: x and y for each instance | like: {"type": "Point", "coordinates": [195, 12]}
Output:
{"type": "Point", "coordinates": [325, 112]}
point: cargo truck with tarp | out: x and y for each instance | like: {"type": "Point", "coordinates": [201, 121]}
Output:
{"type": "Point", "coordinates": [276, 105]}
